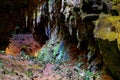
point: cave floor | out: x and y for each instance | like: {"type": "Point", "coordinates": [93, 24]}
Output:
{"type": "Point", "coordinates": [19, 68]}
{"type": "Point", "coordinates": [14, 68]}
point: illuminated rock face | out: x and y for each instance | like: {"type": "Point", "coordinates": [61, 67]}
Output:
{"type": "Point", "coordinates": [22, 43]}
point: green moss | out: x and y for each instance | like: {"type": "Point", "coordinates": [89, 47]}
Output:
{"type": "Point", "coordinates": [1, 64]}
{"type": "Point", "coordinates": [29, 73]}
{"type": "Point", "coordinates": [55, 49]}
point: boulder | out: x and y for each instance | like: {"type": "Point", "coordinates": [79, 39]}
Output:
{"type": "Point", "coordinates": [111, 57]}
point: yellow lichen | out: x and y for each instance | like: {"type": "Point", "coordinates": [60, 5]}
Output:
{"type": "Point", "coordinates": [116, 5]}
{"type": "Point", "coordinates": [104, 28]}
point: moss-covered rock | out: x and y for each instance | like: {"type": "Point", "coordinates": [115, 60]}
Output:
{"type": "Point", "coordinates": [107, 33]}
{"type": "Point", "coordinates": [108, 28]}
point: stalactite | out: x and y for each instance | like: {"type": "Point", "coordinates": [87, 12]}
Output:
{"type": "Point", "coordinates": [30, 20]}
{"type": "Point", "coordinates": [62, 5]}
{"type": "Point", "coordinates": [26, 18]}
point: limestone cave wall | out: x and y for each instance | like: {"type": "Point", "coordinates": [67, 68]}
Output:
{"type": "Point", "coordinates": [76, 24]}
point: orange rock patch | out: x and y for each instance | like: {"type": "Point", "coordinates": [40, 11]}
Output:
{"type": "Point", "coordinates": [23, 42]}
